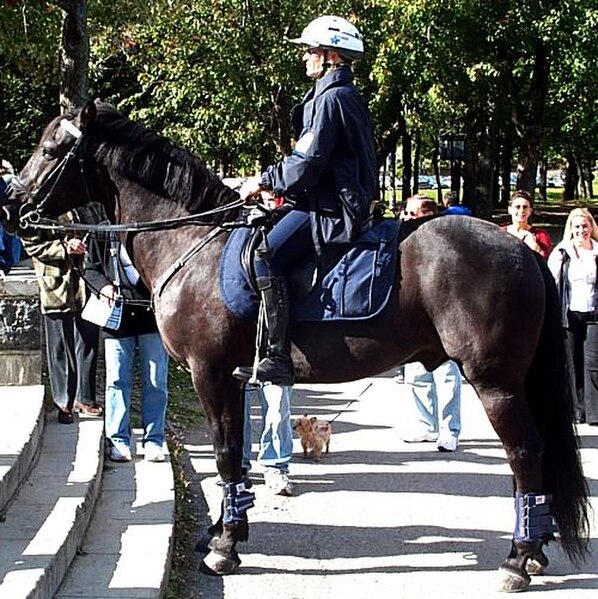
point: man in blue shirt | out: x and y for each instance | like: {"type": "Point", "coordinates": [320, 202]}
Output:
{"type": "Point", "coordinates": [452, 205]}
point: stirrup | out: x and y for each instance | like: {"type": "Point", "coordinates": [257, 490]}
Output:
{"type": "Point", "coordinates": [282, 373]}
{"type": "Point", "coordinates": [245, 374]}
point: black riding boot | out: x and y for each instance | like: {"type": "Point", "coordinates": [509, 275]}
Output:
{"type": "Point", "coordinates": [276, 366]}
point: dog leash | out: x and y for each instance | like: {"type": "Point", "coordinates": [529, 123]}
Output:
{"type": "Point", "coordinates": [348, 405]}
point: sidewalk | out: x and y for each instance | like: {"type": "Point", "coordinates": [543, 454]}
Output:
{"type": "Point", "coordinates": [381, 518]}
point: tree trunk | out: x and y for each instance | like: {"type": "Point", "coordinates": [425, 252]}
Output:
{"type": "Point", "coordinates": [570, 187]}
{"type": "Point", "coordinates": [416, 160]}
{"type": "Point", "coordinates": [542, 195]}
{"type": "Point", "coordinates": [505, 161]}
{"type": "Point", "coordinates": [437, 175]}
{"type": "Point", "coordinates": [531, 123]}
{"type": "Point", "coordinates": [407, 165]}
{"type": "Point", "coordinates": [479, 177]}
{"type": "Point", "coordinates": [585, 170]}
{"type": "Point", "coordinates": [74, 55]}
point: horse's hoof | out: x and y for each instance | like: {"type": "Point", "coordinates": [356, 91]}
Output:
{"type": "Point", "coordinates": [216, 564]}
{"type": "Point", "coordinates": [536, 567]}
{"type": "Point", "coordinates": [513, 581]}
{"type": "Point", "coordinates": [205, 543]}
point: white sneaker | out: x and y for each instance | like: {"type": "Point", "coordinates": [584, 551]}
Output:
{"type": "Point", "coordinates": [153, 453]}
{"type": "Point", "coordinates": [120, 454]}
{"type": "Point", "coordinates": [425, 437]}
{"type": "Point", "coordinates": [278, 482]}
{"type": "Point", "coordinates": [447, 443]}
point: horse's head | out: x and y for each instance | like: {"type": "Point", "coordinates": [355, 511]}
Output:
{"type": "Point", "coordinates": [52, 182]}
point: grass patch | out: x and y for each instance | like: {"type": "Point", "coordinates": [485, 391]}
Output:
{"type": "Point", "coordinates": [184, 413]}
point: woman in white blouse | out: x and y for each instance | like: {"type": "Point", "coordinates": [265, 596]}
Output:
{"type": "Point", "coordinates": [573, 264]}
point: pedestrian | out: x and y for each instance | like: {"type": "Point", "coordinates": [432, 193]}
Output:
{"type": "Point", "coordinates": [573, 264]}
{"type": "Point", "coordinates": [451, 203]}
{"type": "Point", "coordinates": [419, 206]}
{"type": "Point", "coordinates": [10, 245]}
{"type": "Point", "coordinates": [71, 341]}
{"type": "Point", "coordinates": [521, 208]}
{"type": "Point", "coordinates": [111, 274]}
{"type": "Point", "coordinates": [436, 394]}
{"type": "Point", "coordinates": [276, 435]}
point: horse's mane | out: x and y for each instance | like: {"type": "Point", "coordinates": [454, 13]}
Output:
{"type": "Point", "coordinates": [155, 162]}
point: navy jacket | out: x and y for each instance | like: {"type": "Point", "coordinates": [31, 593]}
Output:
{"type": "Point", "coordinates": [100, 270]}
{"type": "Point", "coordinates": [332, 172]}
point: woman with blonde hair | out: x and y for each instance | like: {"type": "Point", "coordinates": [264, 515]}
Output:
{"type": "Point", "coordinates": [574, 265]}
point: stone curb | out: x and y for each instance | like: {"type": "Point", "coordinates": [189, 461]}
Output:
{"type": "Point", "coordinates": [47, 519]}
{"type": "Point", "coordinates": [127, 550]}
{"type": "Point", "coordinates": [21, 430]}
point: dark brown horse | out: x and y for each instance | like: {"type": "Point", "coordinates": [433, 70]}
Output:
{"type": "Point", "coordinates": [468, 292]}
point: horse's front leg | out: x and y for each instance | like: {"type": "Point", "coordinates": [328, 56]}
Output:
{"type": "Point", "coordinates": [223, 406]}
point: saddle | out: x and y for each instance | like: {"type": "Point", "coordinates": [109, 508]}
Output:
{"type": "Point", "coordinates": [351, 282]}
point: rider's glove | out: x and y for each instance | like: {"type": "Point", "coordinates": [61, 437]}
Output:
{"type": "Point", "coordinates": [258, 216]}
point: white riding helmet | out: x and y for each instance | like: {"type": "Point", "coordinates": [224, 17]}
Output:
{"type": "Point", "coordinates": [332, 33]}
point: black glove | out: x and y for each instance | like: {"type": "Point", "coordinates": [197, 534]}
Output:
{"type": "Point", "coordinates": [258, 216]}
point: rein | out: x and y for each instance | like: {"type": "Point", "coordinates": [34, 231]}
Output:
{"type": "Point", "coordinates": [39, 222]}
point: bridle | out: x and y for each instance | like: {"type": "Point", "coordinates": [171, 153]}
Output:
{"type": "Point", "coordinates": [31, 213]}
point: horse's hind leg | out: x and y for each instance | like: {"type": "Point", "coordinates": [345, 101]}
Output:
{"type": "Point", "coordinates": [512, 420]}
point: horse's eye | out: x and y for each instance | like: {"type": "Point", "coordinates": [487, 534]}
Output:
{"type": "Point", "coordinates": [49, 150]}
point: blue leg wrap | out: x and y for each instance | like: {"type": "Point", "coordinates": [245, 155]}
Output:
{"type": "Point", "coordinates": [237, 500]}
{"type": "Point", "coordinates": [533, 520]}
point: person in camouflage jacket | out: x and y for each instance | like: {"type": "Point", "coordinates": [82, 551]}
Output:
{"type": "Point", "coordinates": [71, 342]}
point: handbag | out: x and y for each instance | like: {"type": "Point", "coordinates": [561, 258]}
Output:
{"type": "Point", "coordinates": [101, 312]}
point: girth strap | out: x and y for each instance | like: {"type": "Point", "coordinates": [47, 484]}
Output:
{"type": "Point", "coordinates": [166, 276]}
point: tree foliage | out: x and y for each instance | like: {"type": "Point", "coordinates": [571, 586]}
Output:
{"type": "Point", "coordinates": [220, 78]}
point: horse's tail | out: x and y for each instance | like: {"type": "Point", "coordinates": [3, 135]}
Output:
{"type": "Point", "coordinates": [550, 398]}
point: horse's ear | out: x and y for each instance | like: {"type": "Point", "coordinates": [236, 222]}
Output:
{"type": "Point", "coordinates": [87, 115]}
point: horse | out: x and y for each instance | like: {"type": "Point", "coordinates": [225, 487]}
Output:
{"type": "Point", "coordinates": [464, 290]}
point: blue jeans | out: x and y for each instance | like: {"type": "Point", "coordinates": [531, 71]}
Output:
{"type": "Point", "coordinates": [120, 372]}
{"type": "Point", "coordinates": [276, 440]}
{"type": "Point", "coordinates": [437, 396]}
{"type": "Point", "coordinates": [290, 242]}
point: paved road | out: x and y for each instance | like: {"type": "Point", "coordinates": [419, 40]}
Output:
{"type": "Point", "coordinates": [381, 518]}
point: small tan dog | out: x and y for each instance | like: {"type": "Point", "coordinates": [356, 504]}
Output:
{"type": "Point", "coordinates": [314, 435]}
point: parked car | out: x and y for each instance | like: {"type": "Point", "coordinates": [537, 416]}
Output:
{"type": "Point", "coordinates": [555, 181]}
{"type": "Point", "coordinates": [445, 181]}
{"type": "Point", "coordinates": [426, 182]}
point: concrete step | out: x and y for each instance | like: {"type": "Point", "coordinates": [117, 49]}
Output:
{"type": "Point", "coordinates": [21, 429]}
{"type": "Point", "coordinates": [127, 549]}
{"type": "Point", "coordinates": [44, 524]}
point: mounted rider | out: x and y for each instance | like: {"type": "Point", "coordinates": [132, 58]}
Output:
{"type": "Point", "coordinates": [329, 182]}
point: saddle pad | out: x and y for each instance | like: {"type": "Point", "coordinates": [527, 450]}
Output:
{"type": "Point", "coordinates": [354, 287]}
